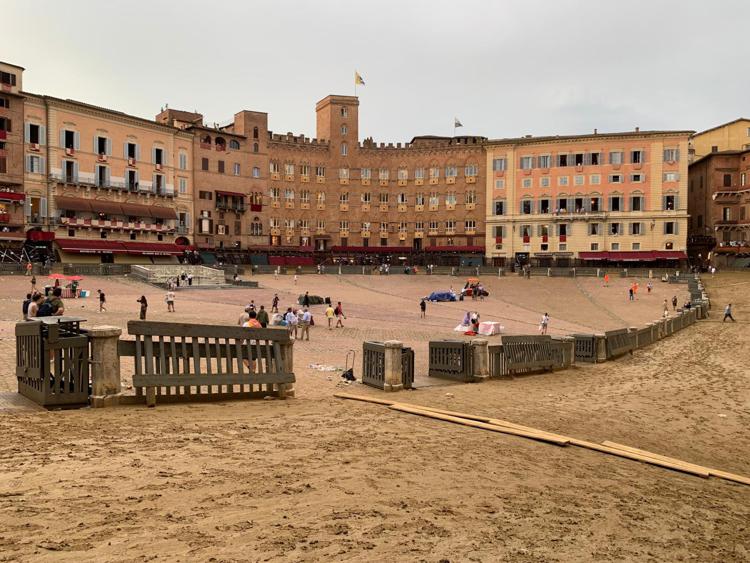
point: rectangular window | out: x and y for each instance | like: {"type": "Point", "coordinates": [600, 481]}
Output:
{"type": "Point", "coordinates": [4, 103]}
{"type": "Point", "coordinates": [204, 164]}
{"type": "Point", "coordinates": [320, 171]}
{"type": "Point", "coordinates": [434, 198]}
{"type": "Point", "coordinates": [450, 225]}
{"type": "Point", "coordinates": [544, 182]}
{"type": "Point", "coordinates": [403, 198]}
{"type": "Point", "coordinates": [102, 174]}
{"type": "Point", "coordinates": [615, 228]}
{"type": "Point", "coordinates": [419, 173]}
{"type": "Point", "coordinates": [526, 182]}
{"type": "Point", "coordinates": [419, 199]}
{"type": "Point", "coordinates": [304, 196]}
{"type": "Point", "coordinates": [636, 157]}
{"type": "Point", "coordinates": [383, 174]}
{"type": "Point", "coordinates": [636, 203]}
{"type": "Point", "coordinates": [365, 173]}
{"type": "Point", "coordinates": [343, 173]}
{"type": "Point", "coordinates": [544, 160]}
{"type": "Point", "coordinates": [34, 164]}
{"type": "Point", "coordinates": [636, 228]}
{"type": "Point", "coordinates": [635, 246]}
{"type": "Point", "coordinates": [132, 150]}
{"type": "Point", "coordinates": [101, 145]}
{"type": "Point", "coordinates": [671, 155]}
{"type": "Point", "coordinates": [182, 161]}
{"type": "Point", "coordinates": [383, 198]}
{"type": "Point", "coordinates": [256, 172]}
{"type": "Point", "coordinates": [182, 183]}
{"type": "Point", "coordinates": [274, 194]}
{"type": "Point", "coordinates": [670, 228]}
{"type": "Point", "coordinates": [304, 169]}
{"type": "Point", "coordinates": [562, 159]}
{"type": "Point", "coordinates": [727, 180]}
{"type": "Point", "coordinates": [615, 203]}
{"type": "Point", "coordinates": [471, 225]}
{"type": "Point", "coordinates": [500, 184]}
{"type": "Point", "coordinates": [471, 170]}
{"type": "Point", "coordinates": [579, 158]}
{"type": "Point", "coordinates": [499, 164]}
{"type": "Point", "coordinates": [594, 246]}
{"type": "Point", "coordinates": [615, 157]}
{"type": "Point", "coordinates": [500, 207]}
{"type": "Point", "coordinates": [344, 198]}
{"type": "Point", "coordinates": [34, 133]}
{"type": "Point", "coordinates": [289, 195]}
{"type": "Point", "coordinates": [451, 172]}
{"type": "Point", "coordinates": [320, 198]}
{"type": "Point", "coordinates": [419, 226]}
{"type": "Point", "coordinates": [636, 178]}
{"type": "Point", "coordinates": [615, 178]}
{"type": "Point", "coordinates": [578, 179]}
{"type": "Point", "coordinates": [158, 156]}
{"type": "Point", "coordinates": [595, 158]}
{"type": "Point", "coordinates": [450, 198]}
{"type": "Point", "coordinates": [273, 167]}
{"type": "Point", "coordinates": [343, 225]}
{"type": "Point", "coordinates": [527, 162]}
{"type": "Point", "coordinates": [526, 207]}
{"type": "Point", "coordinates": [594, 229]}
{"type": "Point", "coordinates": [562, 180]}
{"type": "Point", "coordinates": [236, 168]}
{"type": "Point", "coordinates": [595, 204]}
{"type": "Point", "coordinates": [595, 179]}
{"type": "Point", "coordinates": [670, 202]}
{"type": "Point", "coordinates": [403, 174]}
{"type": "Point", "coordinates": [289, 169]}
{"type": "Point", "coordinates": [614, 246]}
{"type": "Point", "coordinates": [544, 205]}
{"type": "Point", "coordinates": [221, 167]}
{"type": "Point", "coordinates": [434, 172]}
{"type": "Point", "coordinates": [366, 197]}
{"type": "Point", "coordinates": [471, 196]}
{"type": "Point", "coordinates": [433, 225]}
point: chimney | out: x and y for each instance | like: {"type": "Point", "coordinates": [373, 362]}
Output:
{"type": "Point", "coordinates": [596, 132]}
{"type": "Point", "coordinates": [637, 129]}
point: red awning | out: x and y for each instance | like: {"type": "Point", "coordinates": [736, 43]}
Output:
{"type": "Point", "coordinates": [593, 255]}
{"type": "Point", "coordinates": [670, 255]}
{"type": "Point", "coordinates": [12, 196]}
{"type": "Point", "coordinates": [92, 246]}
{"type": "Point", "coordinates": [230, 194]}
{"type": "Point", "coordinates": [152, 248]}
{"type": "Point", "coordinates": [372, 249]}
{"type": "Point", "coordinates": [634, 255]}
{"type": "Point", "coordinates": [454, 249]}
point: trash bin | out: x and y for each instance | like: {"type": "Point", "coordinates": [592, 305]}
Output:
{"type": "Point", "coordinates": [52, 361]}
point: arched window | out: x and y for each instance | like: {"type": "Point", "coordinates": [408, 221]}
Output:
{"type": "Point", "coordinates": [344, 149]}
{"type": "Point", "coordinates": [206, 140]}
{"type": "Point", "coordinates": [255, 132]}
{"type": "Point", "coordinates": [256, 172]}
{"type": "Point", "coordinates": [234, 145]}
{"type": "Point", "coordinates": [221, 144]}
{"type": "Point", "coordinates": [255, 147]}
{"type": "Point", "coordinates": [256, 227]}
{"type": "Point", "coordinates": [344, 130]}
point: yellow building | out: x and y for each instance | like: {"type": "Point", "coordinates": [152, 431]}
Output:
{"type": "Point", "coordinates": [732, 136]}
{"type": "Point", "coordinates": [587, 199]}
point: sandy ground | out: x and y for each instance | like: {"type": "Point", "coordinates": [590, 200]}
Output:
{"type": "Point", "coordinates": [315, 478]}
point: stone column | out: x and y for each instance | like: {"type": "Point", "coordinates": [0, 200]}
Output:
{"type": "Point", "coordinates": [287, 358]}
{"type": "Point", "coordinates": [601, 348]}
{"type": "Point", "coordinates": [569, 350]}
{"type": "Point", "coordinates": [480, 359]}
{"type": "Point", "coordinates": [105, 366]}
{"type": "Point", "coordinates": [634, 331]}
{"type": "Point", "coordinates": [393, 366]}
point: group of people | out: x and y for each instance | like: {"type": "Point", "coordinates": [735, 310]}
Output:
{"type": "Point", "coordinates": [297, 320]}
{"type": "Point", "coordinates": [37, 305]}
{"type": "Point", "coordinates": [184, 278]}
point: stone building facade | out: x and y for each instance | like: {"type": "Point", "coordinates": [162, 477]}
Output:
{"type": "Point", "coordinates": [615, 197]}
{"type": "Point", "coordinates": [11, 156]}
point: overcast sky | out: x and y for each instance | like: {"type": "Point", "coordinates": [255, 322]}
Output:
{"type": "Point", "coordinates": [504, 68]}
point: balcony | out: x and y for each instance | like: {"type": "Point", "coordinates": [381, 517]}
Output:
{"type": "Point", "coordinates": [231, 208]}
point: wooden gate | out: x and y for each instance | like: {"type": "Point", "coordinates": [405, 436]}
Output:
{"type": "Point", "coordinates": [528, 353]}
{"type": "Point", "coordinates": [52, 361]}
{"type": "Point", "coordinates": [177, 361]}
{"type": "Point", "coordinates": [451, 359]}
{"type": "Point", "coordinates": [585, 346]}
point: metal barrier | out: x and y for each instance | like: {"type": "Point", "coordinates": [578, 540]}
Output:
{"type": "Point", "coordinates": [451, 359]}
{"type": "Point", "coordinates": [96, 269]}
{"type": "Point", "coordinates": [619, 342]}
{"type": "Point", "coordinates": [585, 347]}
{"type": "Point", "coordinates": [177, 361]}
{"type": "Point", "coordinates": [52, 361]}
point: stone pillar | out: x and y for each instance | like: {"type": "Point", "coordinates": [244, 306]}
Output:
{"type": "Point", "coordinates": [655, 332]}
{"type": "Point", "coordinates": [393, 366]}
{"type": "Point", "coordinates": [634, 331]}
{"type": "Point", "coordinates": [601, 348]}
{"type": "Point", "coordinates": [287, 359]}
{"type": "Point", "coordinates": [480, 359]}
{"type": "Point", "coordinates": [569, 350]}
{"type": "Point", "coordinates": [105, 366]}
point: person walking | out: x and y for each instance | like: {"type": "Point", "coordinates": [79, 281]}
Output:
{"type": "Point", "coordinates": [102, 300]}
{"type": "Point", "coordinates": [144, 307]}
{"type": "Point", "coordinates": [169, 298]}
{"type": "Point", "coordinates": [263, 316]}
{"type": "Point", "coordinates": [674, 303]}
{"type": "Point", "coordinates": [275, 303]}
{"type": "Point", "coordinates": [304, 324]}
{"type": "Point", "coordinates": [330, 313]}
{"type": "Point", "coordinates": [422, 309]}
{"type": "Point", "coordinates": [29, 267]}
{"type": "Point", "coordinates": [631, 297]}
{"type": "Point", "coordinates": [606, 280]}
{"type": "Point", "coordinates": [728, 313]}
{"type": "Point", "coordinates": [295, 279]}
{"type": "Point", "coordinates": [544, 324]}
{"type": "Point", "coordinates": [340, 315]}
{"type": "Point", "coordinates": [33, 284]}
{"type": "Point", "coordinates": [666, 309]}
{"type": "Point", "coordinates": [306, 300]}
{"type": "Point", "coordinates": [649, 287]}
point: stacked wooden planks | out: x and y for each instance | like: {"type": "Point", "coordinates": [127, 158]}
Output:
{"type": "Point", "coordinates": [506, 427]}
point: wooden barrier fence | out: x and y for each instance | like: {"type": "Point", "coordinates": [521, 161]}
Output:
{"type": "Point", "coordinates": [451, 359]}
{"type": "Point", "coordinates": [178, 361]}
{"type": "Point", "coordinates": [619, 342]}
{"type": "Point", "coordinates": [585, 347]}
{"type": "Point", "coordinates": [373, 365]}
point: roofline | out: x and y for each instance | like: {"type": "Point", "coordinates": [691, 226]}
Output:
{"type": "Point", "coordinates": [11, 64]}
{"type": "Point", "coordinates": [723, 125]}
{"type": "Point", "coordinates": [354, 100]}
{"type": "Point", "coordinates": [114, 113]}
{"type": "Point", "coordinates": [719, 153]}
{"type": "Point", "coordinates": [556, 138]}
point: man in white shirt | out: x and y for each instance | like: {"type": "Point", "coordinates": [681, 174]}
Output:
{"type": "Point", "coordinates": [305, 324]}
{"type": "Point", "coordinates": [170, 301]}
{"type": "Point", "coordinates": [291, 322]}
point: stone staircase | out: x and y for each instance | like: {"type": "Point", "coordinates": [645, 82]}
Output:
{"type": "Point", "coordinates": [203, 276]}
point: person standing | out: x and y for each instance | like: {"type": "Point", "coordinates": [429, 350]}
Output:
{"type": "Point", "coordinates": [606, 280]}
{"type": "Point", "coordinates": [275, 303]}
{"type": "Point", "coordinates": [245, 316]}
{"type": "Point", "coordinates": [36, 301]}
{"type": "Point", "coordinates": [674, 303]}
{"type": "Point", "coordinates": [144, 307]}
{"type": "Point", "coordinates": [666, 308]}
{"type": "Point", "coordinates": [544, 324]}
{"type": "Point", "coordinates": [291, 322]}
{"type": "Point", "coordinates": [263, 316]}
{"type": "Point", "coordinates": [25, 306]}
{"type": "Point", "coordinates": [252, 321]}
{"type": "Point", "coordinates": [169, 298]}
{"type": "Point", "coordinates": [630, 294]}
{"type": "Point", "coordinates": [649, 287]}
{"type": "Point", "coordinates": [728, 313]}
{"type": "Point", "coordinates": [422, 309]}
{"type": "Point", "coordinates": [33, 285]}
{"type": "Point", "coordinates": [190, 279]}
{"type": "Point", "coordinates": [304, 324]}
{"type": "Point", "coordinates": [306, 300]}
{"type": "Point", "coordinates": [339, 315]}
{"type": "Point", "coordinates": [29, 267]}
{"type": "Point", "coordinates": [330, 313]}
{"type": "Point", "coordinates": [102, 300]}
{"type": "Point", "coordinates": [295, 279]}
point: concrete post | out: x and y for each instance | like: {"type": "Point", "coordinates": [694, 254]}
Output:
{"type": "Point", "coordinates": [601, 348]}
{"type": "Point", "coordinates": [634, 330]}
{"type": "Point", "coordinates": [569, 350]}
{"type": "Point", "coordinates": [287, 357]}
{"type": "Point", "coordinates": [105, 366]}
{"type": "Point", "coordinates": [655, 332]}
{"type": "Point", "coordinates": [480, 359]}
{"type": "Point", "coordinates": [393, 367]}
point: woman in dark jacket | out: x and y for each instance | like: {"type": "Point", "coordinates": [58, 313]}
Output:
{"type": "Point", "coordinates": [144, 306]}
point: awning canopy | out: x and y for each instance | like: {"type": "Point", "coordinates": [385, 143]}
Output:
{"type": "Point", "coordinates": [73, 203]}
{"type": "Point", "coordinates": [153, 248]}
{"type": "Point", "coordinates": [454, 249]}
{"type": "Point", "coordinates": [159, 212]}
{"type": "Point", "coordinates": [634, 255]}
{"type": "Point", "coordinates": [104, 206]}
{"type": "Point", "coordinates": [12, 196]}
{"type": "Point", "coordinates": [229, 194]}
{"type": "Point", "coordinates": [96, 246]}
{"type": "Point", "coordinates": [372, 249]}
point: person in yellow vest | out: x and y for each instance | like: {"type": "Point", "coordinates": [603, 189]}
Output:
{"type": "Point", "coordinates": [329, 315]}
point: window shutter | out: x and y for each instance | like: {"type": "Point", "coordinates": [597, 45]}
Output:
{"type": "Point", "coordinates": [28, 163]}
{"type": "Point", "coordinates": [77, 140]}
{"type": "Point", "coordinates": [27, 207]}
{"type": "Point", "coordinates": [42, 135]}
{"type": "Point", "coordinates": [187, 220]}
{"type": "Point", "coordinates": [153, 182]}
{"type": "Point", "coordinates": [676, 227]}
{"type": "Point", "coordinates": [26, 132]}
{"type": "Point", "coordinates": [95, 148]}
{"type": "Point", "coordinates": [42, 165]}
{"type": "Point", "coordinates": [62, 138]}
{"type": "Point", "coordinates": [138, 151]}
{"type": "Point", "coordinates": [109, 147]}
{"type": "Point", "coordinates": [43, 206]}
{"type": "Point", "coordinates": [153, 155]}
{"type": "Point", "coordinates": [663, 203]}
{"type": "Point", "coordinates": [571, 204]}
{"type": "Point", "coordinates": [677, 155]}
{"type": "Point", "coordinates": [676, 202]}
{"type": "Point", "coordinates": [75, 171]}
{"type": "Point", "coordinates": [125, 150]}
{"type": "Point", "coordinates": [107, 173]}
{"type": "Point", "coordinates": [137, 177]}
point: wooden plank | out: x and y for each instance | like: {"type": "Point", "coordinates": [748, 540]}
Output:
{"type": "Point", "coordinates": [475, 424]}
{"type": "Point", "coordinates": [279, 361]}
{"type": "Point", "coordinates": [214, 380]}
{"type": "Point", "coordinates": [175, 357]}
{"type": "Point", "coordinates": [157, 328]}
{"type": "Point", "coordinates": [713, 472]}
{"type": "Point", "coordinates": [364, 399]}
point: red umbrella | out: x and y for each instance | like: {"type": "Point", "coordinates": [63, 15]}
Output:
{"type": "Point", "coordinates": [56, 277]}
{"type": "Point", "coordinates": [75, 278]}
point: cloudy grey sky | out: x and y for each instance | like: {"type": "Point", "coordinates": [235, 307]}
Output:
{"type": "Point", "coordinates": [504, 68]}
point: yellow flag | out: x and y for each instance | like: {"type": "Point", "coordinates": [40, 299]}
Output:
{"type": "Point", "coordinates": [358, 79]}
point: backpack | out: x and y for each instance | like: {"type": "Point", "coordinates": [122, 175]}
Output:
{"type": "Point", "coordinates": [46, 309]}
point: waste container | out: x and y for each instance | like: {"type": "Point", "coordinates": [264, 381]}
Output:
{"type": "Point", "coordinates": [52, 361]}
